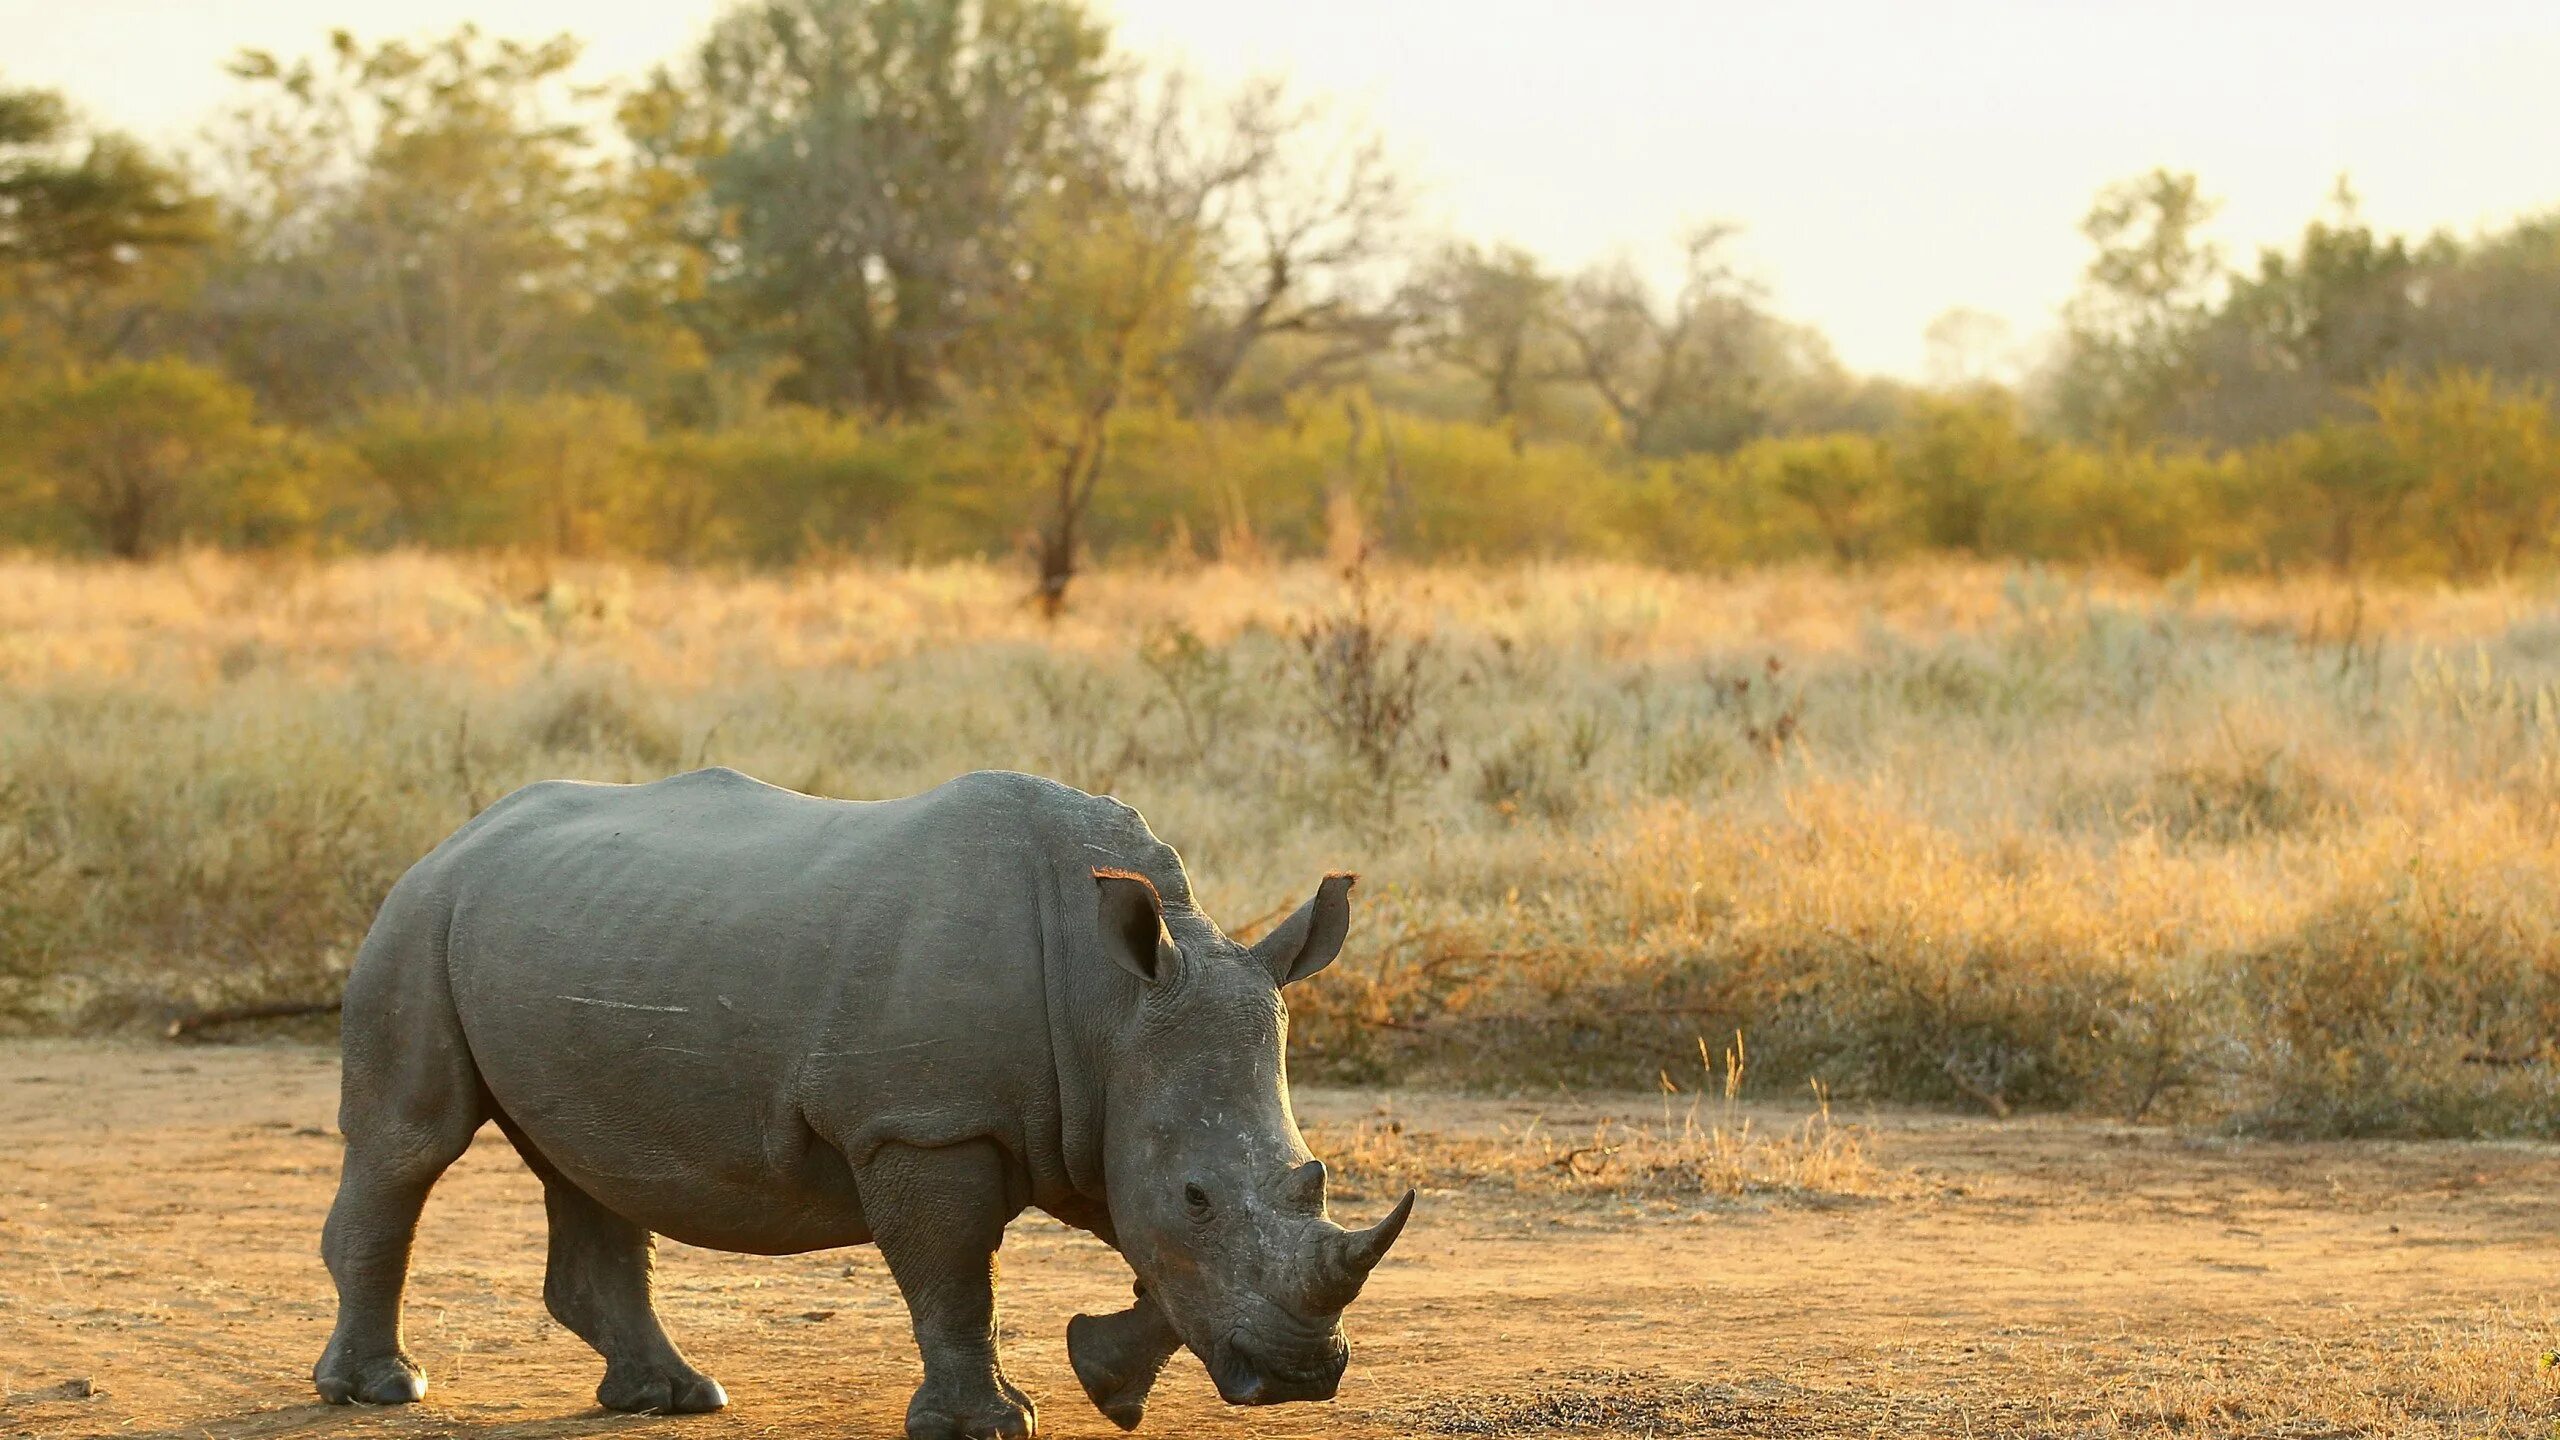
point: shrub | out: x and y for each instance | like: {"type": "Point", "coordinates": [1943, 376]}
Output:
{"type": "Point", "coordinates": [562, 474]}
{"type": "Point", "coordinates": [2407, 1007]}
{"type": "Point", "coordinates": [134, 456]}
{"type": "Point", "coordinates": [1368, 682]}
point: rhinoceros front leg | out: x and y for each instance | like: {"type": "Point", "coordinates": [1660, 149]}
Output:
{"type": "Point", "coordinates": [1117, 1358]}
{"type": "Point", "coordinates": [938, 1216]}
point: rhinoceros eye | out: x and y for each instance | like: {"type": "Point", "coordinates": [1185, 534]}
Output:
{"type": "Point", "coordinates": [1196, 1200]}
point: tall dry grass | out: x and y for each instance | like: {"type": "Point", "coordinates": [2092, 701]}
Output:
{"type": "Point", "coordinates": [2275, 855]}
{"type": "Point", "coordinates": [1697, 1151]}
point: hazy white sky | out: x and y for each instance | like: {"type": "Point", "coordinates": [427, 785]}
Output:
{"type": "Point", "coordinates": [1890, 159]}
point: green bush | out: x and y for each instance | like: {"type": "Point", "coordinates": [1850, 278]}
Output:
{"type": "Point", "coordinates": [2456, 476]}
{"type": "Point", "coordinates": [133, 457]}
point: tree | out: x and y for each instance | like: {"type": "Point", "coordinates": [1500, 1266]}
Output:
{"type": "Point", "coordinates": [2487, 305]}
{"type": "Point", "coordinates": [1492, 313]}
{"type": "Point", "coordinates": [852, 177]}
{"type": "Point", "coordinates": [2292, 342]}
{"type": "Point", "coordinates": [1096, 309]}
{"type": "Point", "coordinates": [2293, 345]}
{"type": "Point", "coordinates": [2129, 334]}
{"type": "Point", "coordinates": [1967, 348]}
{"type": "Point", "coordinates": [409, 221]}
{"type": "Point", "coordinates": [1692, 372]}
{"type": "Point", "coordinates": [1292, 249]}
{"type": "Point", "coordinates": [2339, 491]}
{"type": "Point", "coordinates": [136, 452]}
{"type": "Point", "coordinates": [92, 231]}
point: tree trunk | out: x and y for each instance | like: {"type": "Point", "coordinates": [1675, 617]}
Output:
{"type": "Point", "coordinates": [126, 526]}
{"type": "Point", "coordinates": [1058, 537]}
{"type": "Point", "coordinates": [1057, 564]}
{"type": "Point", "coordinates": [2342, 543]}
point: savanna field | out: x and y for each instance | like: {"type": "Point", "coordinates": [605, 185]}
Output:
{"type": "Point", "coordinates": [1950, 999]}
{"type": "Point", "coordinates": [1952, 749]}
{"type": "Point", "coordinates": [2272, 858]}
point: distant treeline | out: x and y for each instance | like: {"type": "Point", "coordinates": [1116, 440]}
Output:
{"type": "Point", "coordinates": [933, 277]}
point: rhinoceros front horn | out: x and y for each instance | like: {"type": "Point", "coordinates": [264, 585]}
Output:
{"type": "Point", "coordinates": [1354, 1253]}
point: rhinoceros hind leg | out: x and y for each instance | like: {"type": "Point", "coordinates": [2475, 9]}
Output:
{"type": "Point", "coordinates": [938, 1215]}
{"type": "Point", "coordinates": [410, 1103]}
{"type": "Point", "coordinates": [599, 1285]}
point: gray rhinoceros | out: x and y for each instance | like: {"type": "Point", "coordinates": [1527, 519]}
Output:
{"type": "Point", "coordinates": [758, 1021]}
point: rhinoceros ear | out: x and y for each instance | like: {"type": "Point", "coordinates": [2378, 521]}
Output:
{"type": "Point", "coordinates": [1308, 940]}
{"type": "Point", "coordinates": [1132, 921]}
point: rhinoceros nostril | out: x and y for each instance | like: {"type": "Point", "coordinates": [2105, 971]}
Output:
{"type": "Point", "coordinates": [1240, 1378]}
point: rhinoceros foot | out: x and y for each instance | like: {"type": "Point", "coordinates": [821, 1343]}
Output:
{"type": "Point", "coordinates": [658, 1389]}
{"type": "Point", "coordinates": [1007, 1415]}
{"type": "Point", "coordinates": [380, 1380]}
{"type": "Point", "coordinates": [1117, 1359]}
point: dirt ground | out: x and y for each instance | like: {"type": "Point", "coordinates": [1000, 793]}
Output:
{"type": "Point", "coordinates": [160, 1209]}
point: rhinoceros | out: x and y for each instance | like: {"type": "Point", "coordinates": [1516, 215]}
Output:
{"type": "Point", "coordinates": [755, 1020]}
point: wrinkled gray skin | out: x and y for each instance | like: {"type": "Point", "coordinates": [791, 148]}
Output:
{"type": "Point", "coordinates": [758, 1021]}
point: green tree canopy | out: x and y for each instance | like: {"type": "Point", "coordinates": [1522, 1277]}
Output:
{"type": "Point", "coordinates": [851, 178]}
{"type": "Point", "coordinates": [2129, 334]}
{"type": "Point", "coordinates": [135, 453]}
{"type": "Point", "coordinates": [91, 228]}
{"type": "Point", "coordinates": [410, 221]}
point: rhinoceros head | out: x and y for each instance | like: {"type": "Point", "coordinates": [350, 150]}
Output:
{"type": "Point", "coordinates": [1214, 1198]}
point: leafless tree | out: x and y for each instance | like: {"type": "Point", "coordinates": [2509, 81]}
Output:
{"type": "Point", "coordinates": [1682, 372]}
{"type": "Point", "coordinates": [1493, 314]}
{"type": "Point", "coordinates": [1968, 347]}
{"type": "Point", "coordinates": [1297, 246]}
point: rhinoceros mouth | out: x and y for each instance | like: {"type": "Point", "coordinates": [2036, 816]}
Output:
{"type": "Point", "coordinates": [1245, 1378]}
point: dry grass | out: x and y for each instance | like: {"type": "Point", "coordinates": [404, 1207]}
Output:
{"type": "Point", "coordinates": [2277, 855]}
{"type": "Point", "coordinates": [1683, 1161]}
{"type": "Point", "coordinates": [1696, 1154]}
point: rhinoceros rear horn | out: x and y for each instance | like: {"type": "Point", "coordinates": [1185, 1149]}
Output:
{"type": "Point", "coordinates": [1308, 940]}
{"type": "Point", "coordinates": [1354, 1253]}
{"type": "Point", "coordinates": [1130, 916]}
{"type": "Point", "coordinates": [1304, 1187]}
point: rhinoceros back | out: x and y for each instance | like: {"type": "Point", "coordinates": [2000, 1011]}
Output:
{"type": "Point", "coordinates": [697, 998]}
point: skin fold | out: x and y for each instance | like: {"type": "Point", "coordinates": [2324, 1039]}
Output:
{"type": "Point", "coordinates": [759, 1021]}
